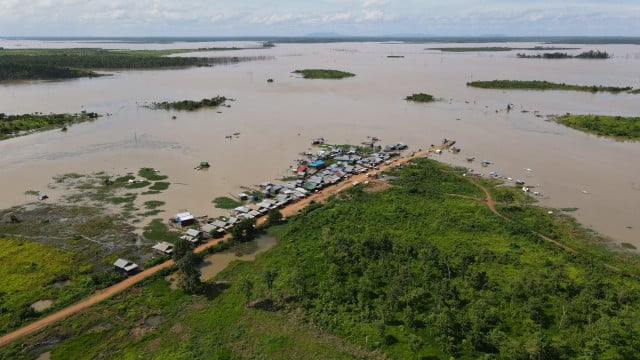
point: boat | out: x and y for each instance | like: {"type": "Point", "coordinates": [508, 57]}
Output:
{"type": "Point", "coordinates": [470, 159]}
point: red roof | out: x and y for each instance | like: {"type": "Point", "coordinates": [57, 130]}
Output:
{"type": "Point", "coordinates": [302, 168]}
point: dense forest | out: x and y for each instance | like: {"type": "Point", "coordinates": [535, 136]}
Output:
{"type": "Point", "coordinates": [323, 74]}
{"type": "Point", "coordinates": [25, 64]}
{"type": "Point", "coordinates": [591, 54]}
{"type": "Point", "coordinates": [189, 105]}
{"type": "Point", "coordinates": [615, 126]}
{"type": "Point", "coordinates": [15, 125]}
{"type": "Point", "coordinates": [421, 270]}
{"type": "Point", "coordinates": [420, 97]}
{"type": "Point", "coordinates": [544, 85]}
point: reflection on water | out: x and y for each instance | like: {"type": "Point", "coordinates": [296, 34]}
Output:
{"type": "Point", "coordinates": [278, 120]}
{"type": "Point", "coordinates": [217, 262]}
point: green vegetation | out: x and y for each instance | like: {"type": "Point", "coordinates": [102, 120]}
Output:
{"type": "Point", "coordinates": [420, 97]}
{"type": "Point", "coordinates": [151, 174]}
{"type": "Point", "coordinates": [559, 55]}
{"type": "Point", "coordinates": [25, 64]}
{"type": "Point", "coordinates": [494, 48]}
{"type": "Point", "coordinates": [16, 125]}
{"type": "Point", "coordinates": [152, 204]}
{"type": "Point", "coordinates": [543, 85]}
{"type": "Point", "coordinates": [421, 270]}
{"type": "Point", "coordinates": [323, 74]}
{"type": "Point", "coordinates": [627, 128]}
{"type": "Point", "coordinates": [160, 186]}
{"type": "Point", "coordinates": [628, 246]}
{"type": "Point", "coordinates": [190, 105]}
{"type": "Point", "coordinates": [473, 49]}
{"type": "Point", "coordinates": [226, 202]}
{"type": "Point", "coordinates": [158, 231]}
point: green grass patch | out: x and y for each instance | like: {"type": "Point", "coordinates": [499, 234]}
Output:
{"type": "Point", "coordinates": [31, 271]}
{"type": "Point", "coordinates": [626, 128]}
{"type": "Point", "coordinates": [151, 192]}
{"type": "Point", "coordinates": [151, 174]}
{"type": "Point", "coordinates": [224, 202]}
{"type": "Point", "coordinates": [126, 199]}
{"type": "Point", "coordinates": [159, 186]}
{"type": "Point", "coordinates": [152, 204]}
{"type": "Point", "coordinates": [420, 97]}
{"type": "Point", "coordinates": [628, 246]}
{"type": "Point", "coordinates": [323, 74]}
{"type": "Point", "coordinates": [159, 231]}
{"type": "Point", "coordinates": [16, 125]}
{"type": "Point", "coordinates": [543, 85]}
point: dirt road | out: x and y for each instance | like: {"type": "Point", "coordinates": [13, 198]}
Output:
{"type": "Point", "coordinates": [105, 293]}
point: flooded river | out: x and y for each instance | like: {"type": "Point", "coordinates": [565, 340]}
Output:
{"type": "Point", "coordinates": [600, 177]}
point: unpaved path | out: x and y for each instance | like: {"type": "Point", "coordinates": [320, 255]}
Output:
{"type": "Point", "coordinates": [105, 293]}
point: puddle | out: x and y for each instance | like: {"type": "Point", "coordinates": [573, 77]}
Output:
{"type": "Point", "coordinates": [42, 305]}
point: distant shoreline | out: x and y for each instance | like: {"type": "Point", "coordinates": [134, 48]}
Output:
{"type": "Point", "coordinates": [331, 38]}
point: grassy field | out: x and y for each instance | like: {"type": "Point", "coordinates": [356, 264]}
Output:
{"type": "Point", "coordinates": [323, 74]}
{"type": "Point", "coordinates": [619, 127]}
{"type": "Point", "coordinates": [420, 270]}
{"type": "Point", "coordinates": [495, 48]}
{"type": "Point", "coordinates": [543, 85]}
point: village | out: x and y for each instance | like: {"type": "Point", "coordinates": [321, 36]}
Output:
{"type": "Point", "coordinates": [310, 174]}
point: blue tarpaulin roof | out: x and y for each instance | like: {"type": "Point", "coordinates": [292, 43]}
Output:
{"type": "Point", "coordinates": [317, 163]}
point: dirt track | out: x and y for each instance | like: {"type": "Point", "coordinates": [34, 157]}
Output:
{"type": "Point", "coordinates": [105, 293]}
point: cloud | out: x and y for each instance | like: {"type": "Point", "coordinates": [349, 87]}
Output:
{"type": "Point", "coordinates": [345, 16]}
{"type": "Point", "coordinates": [272, 19]}
{"type": "Point", "coordinates": [373, 15]}
{"type": "Point", "coordinates": [374, 3]}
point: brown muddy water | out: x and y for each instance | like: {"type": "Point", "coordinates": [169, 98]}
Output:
{"type": "Point", "coordinates": [215, 263]}
{"type": "Point", "coordinates": [600, 177]}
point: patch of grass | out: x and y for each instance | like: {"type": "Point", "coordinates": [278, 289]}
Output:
{"type": "Point", "coordinates": [224, 202]}
{"type": "Point", "coordinates": [190, 105]}
{"type": "Point", "coordinates": [29, 272]}
{"type": "Point", "coordinates": [628, 246]}
{"type": "Point", "coordinates": [152, 204]}
{"type": "Point", "coordinates": [160, 186]}
{"type": "Point", "coordinates": [323, 74]}
{"type": "Point", "coordinates": [150, 174]}
{"type": "Point", "coordinates": [151, 192]}
{"type": "Point", "coordinates": [138, 185]}
{"type": "Point", "coordinates": [118, 200]}
{"type": "Point", "coordinates": [159, 231]}
{"type": "Point", "coordinates": [151, 213]}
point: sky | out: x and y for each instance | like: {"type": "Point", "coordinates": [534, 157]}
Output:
{"type": "Point", "coordinates": [303, 17]}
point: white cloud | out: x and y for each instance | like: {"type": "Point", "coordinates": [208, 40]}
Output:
{"type": "Point", "coordinates": [272, 19]}
{"type": "Point", "coordinates": [373, 15]}
{"type": "Point", "coordinates": [345, 16]}
{"type": "Point", "coordinates": [374, 3]}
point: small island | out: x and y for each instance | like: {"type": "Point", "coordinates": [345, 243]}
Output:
{"type": "Point", "coordinates": [619, 127]}
{"type": "Point", "coordinates": [560, 55]}
{"type": "Point", "coordinates": [544, 85]}
{"type": "Point", "coordinates": [494, 48]}
{"type": "Point", "coordinates": [420, 97]}
{"type": "Point", "coordinates": [189, 105]}
{"type": "Point", "coordinates": [17, 125]}
{"type": "Point", "coordinates": [323, 74]}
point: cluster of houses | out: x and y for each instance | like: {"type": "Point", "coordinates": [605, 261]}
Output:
{"type": "Point", "coordinates": [316, 171]}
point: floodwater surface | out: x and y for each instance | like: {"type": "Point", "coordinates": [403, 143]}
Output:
{"type": "Point", "coordinates": [276, 121]}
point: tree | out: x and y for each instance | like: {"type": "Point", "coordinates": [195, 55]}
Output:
{"type": "Point", "coordinates": [189, 268]}
{"type": "Point", "coordinates": [275, 217]}
{"type": "Point", "coordinates": [244, 231]}
{"type": "Point", "coordinates": [180, 249]}
{"type": "Point", "coordinates": [415, 344]}
{"type": "Point", "coordinates": [269, 277]}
